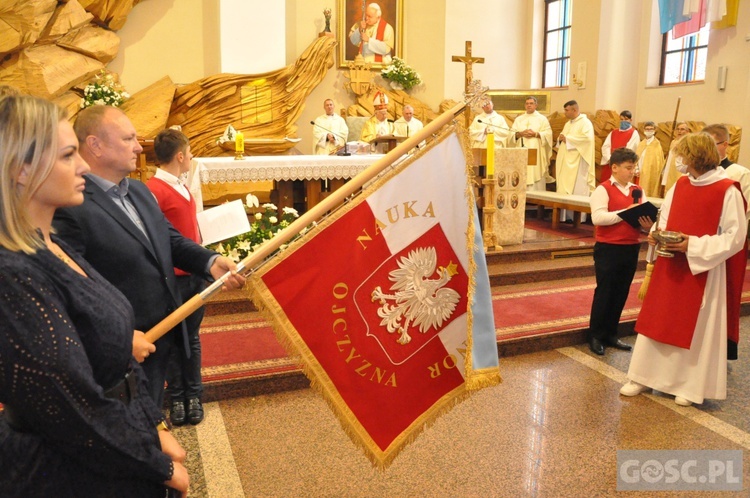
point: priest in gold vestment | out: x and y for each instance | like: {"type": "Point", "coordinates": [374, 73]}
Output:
{"type": "Point", "coordinates": [650, 161]}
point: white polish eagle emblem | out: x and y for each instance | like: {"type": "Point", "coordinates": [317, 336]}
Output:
{"type": "Point", "coordinates": [418, 300]}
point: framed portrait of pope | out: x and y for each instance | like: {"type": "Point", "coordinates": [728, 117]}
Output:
{"type": "Point", "coordinates": [371, 28]}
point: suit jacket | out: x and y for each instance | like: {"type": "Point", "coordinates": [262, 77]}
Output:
{"type": "Point", "coordinates": [144, 271]}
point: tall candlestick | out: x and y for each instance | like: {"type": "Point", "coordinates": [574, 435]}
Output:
{"type": "Point", "coordinates": [491, 154]}
{"type": "Point", "coordinates": [239, 142]}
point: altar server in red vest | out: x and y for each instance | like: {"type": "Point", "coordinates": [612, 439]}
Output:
{"type": "Point", "coordinates": [616, 250]}
{"type": "Point", "coordinates": [689, 323]}
{"type": "Point", "coordinates": [625, 136]}
{"type": "Point", "coordinates": [184, 383]}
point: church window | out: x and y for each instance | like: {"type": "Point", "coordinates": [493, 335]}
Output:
{"type": "Point", "coordinates": [683, 59]}
{"type": "Point", "coordinates": [557, 42]}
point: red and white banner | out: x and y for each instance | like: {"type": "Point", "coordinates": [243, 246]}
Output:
{"type": "Point", "coordinates": [379, 301]}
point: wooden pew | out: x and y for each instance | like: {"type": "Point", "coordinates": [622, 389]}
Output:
{"type": "Point", "coordinates": [557, 201]}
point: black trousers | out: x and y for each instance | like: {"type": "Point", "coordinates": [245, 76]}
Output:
{"type": "Point", "coordinates": [184, 379]}
{"type": "Point", "coordinates": [615, 267]}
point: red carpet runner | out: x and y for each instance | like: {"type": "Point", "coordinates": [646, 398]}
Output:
{"type": "Point", "coordinates": [249, 347]}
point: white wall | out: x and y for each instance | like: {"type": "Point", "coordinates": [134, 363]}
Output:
{"type": "Point", "coordinates": [617, 86]}
{"type": "Point", "coordinates": [703, 101]}
{"type": "Point", "coordinates": [175, 38]}
{"type": "Point", "coordinates": [584, 48]}
{"type": "Point", "coordinates": [497, 30]}
{"type": "Point", "coordinates": [252, 35]}
{"type": "Point", "coordinates": [614, 37]}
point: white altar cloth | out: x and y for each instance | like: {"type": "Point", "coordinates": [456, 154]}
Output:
{"type": "Point", "coordinates": [280, 168]}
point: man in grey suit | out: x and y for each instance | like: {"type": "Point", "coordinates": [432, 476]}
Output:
{"type": "Point", "coordinates": [121, 231]}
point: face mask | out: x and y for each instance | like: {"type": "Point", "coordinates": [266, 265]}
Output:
{"type": "Point", "coordinates": [679, 165]}
{"type": "Point", "coordinates": [624, 125]}
{"type": "Point", "coordinates": [649, 134]}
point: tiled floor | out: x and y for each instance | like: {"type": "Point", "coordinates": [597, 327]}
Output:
{"type": "Point", "coordinates": [551, 429]}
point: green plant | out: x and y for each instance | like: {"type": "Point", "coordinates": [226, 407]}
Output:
{"type": "Point", "coordinates": [400, 73]}
{"type": "Point", "coordinates": [104, 90]}
{"type": "Point", "coordinates": [266, 224]}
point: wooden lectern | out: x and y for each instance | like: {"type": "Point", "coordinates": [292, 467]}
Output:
{"type": "Point", "coordinates": [480, 160]}
{"type": "Point", "coordinates": [385, 143]}
{"type": "Point", "coordinates": [480, 156]}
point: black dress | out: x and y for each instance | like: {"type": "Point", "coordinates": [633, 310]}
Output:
{"type": "Point", "coordinates": [64, 340]}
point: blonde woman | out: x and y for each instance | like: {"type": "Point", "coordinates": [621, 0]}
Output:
{"type": "Point", "coordinates": [78, 420]}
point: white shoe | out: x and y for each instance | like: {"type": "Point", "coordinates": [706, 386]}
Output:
{"type": "Point", "coordinates": [632, 389]}
{"type": "Point", "coordinates": [682, 401]}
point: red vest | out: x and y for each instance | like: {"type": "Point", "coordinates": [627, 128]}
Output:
{"type": "Point", "coordinates": [617, 139]}
{"type": "Point", "coordinates": [670, 309]}
{"type": "Point", "coordinates": [620, 233]}
{"type": "Point", "coordinates": [621, 138]}
{"type": "Point", "coordinates": [179, 211]}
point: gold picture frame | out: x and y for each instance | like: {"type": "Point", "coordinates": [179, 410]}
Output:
{"type": "Point", "coordinates": [350, 12]}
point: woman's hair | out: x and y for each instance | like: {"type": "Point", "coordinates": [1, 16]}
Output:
{"type": "Point", "coordinates": [698, 150]}
{"type": "Point", "coordinates": [28, 139]}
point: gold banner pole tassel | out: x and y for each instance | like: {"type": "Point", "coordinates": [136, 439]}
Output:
{"type": "Point", "coordinates": [644, 285]}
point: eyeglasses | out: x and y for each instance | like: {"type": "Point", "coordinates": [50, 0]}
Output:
{"type": "Point", "coordinates": [722, 142]}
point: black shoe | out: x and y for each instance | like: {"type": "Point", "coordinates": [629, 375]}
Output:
{"type": "Point", "coordinates": [596, 346]}
{"type": "Point", "coordinates": [177, 413]}
{"type": "Point", "coordinates": [617, 343]}
{"type": "Point", "coordinates": [195, 411]}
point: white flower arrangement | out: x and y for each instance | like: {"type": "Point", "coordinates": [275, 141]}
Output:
{"type": "Point", "coordinates": [266, 226]}
{"type": "Point", "coordinates": [401, 74]}
{"type": "Point", "coordinates": [104, 90]}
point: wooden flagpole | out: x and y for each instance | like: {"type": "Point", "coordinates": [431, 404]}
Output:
{"type": "Point", "coordinates": [674, 121]}
{"type": "Point", "coordinates": [318, 211]}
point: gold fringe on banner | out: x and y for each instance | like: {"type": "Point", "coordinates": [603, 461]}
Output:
{"type": "Point", "coordinates": [475, 379]}
{"type": "Point", "coordinates": [321, 382]}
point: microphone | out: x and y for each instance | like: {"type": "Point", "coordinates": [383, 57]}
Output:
{"type": "Point", "coordinates": [346, 145]}
{"type": "Point", "coordinates": [490, 124]}
{"type": "Point", "coordinates": [637, 194]}
{"type": "Point", "coordinates": [329, 131]}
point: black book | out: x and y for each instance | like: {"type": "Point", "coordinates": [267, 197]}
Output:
{"type": "Point", "coordinates": [631, 215]}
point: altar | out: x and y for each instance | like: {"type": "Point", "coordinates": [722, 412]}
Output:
{"type": "Point", "coordinates": [225, 175]}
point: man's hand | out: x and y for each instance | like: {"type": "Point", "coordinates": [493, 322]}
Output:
{"type": "Point", "coordinates": [561, 138]}
{"type": "Point", "coordinates": [221, 265]}
{"type": "Point", "coordinates": [141, 347]}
